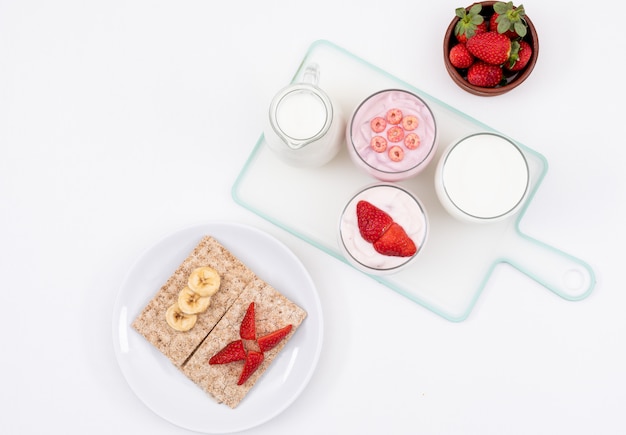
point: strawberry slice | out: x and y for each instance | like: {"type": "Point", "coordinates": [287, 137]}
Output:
{"type": "Point", "coordinates": [395, 242]}
{"type": "Point", "coordinates": [233, 351]}
{"type": "Point", "coordinates": [372, 221]}
{"type": "Point", "coordinates": [269, 341]}
{"type": "Point", "coordinates": [247, 329]}
{"type": "Point", "coordinates": [253, 361]}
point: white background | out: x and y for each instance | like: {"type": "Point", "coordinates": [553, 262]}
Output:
{"type": "Point", "coordinates": [123, 121]}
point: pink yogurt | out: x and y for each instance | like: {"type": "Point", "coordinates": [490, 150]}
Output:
{"type": "Point", "coordinates": [405, 209]}
{"type": "Point", "coordinates": [387, 149]}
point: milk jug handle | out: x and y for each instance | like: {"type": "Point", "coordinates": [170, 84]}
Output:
{"type": "Point", "coordinates": [311, 74]}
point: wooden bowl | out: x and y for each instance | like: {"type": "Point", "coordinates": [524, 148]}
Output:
{"type": "Point", "coordinates": [513, 79]}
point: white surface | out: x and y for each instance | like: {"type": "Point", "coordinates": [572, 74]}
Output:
{"type": "Point", "coordinates": [163, 387]}
{"type": "Point", "coordinates": [121, 122]}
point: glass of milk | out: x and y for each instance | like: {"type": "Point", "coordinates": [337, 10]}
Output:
{"type": "Point", "coordinates": [483, 177]}
{"type": "Point", "coordinates": [303, 127]}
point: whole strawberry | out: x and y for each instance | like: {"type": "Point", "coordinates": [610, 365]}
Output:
{"type": "Point", "coordinates": [484, 74]}
{"type": "Point", "coordinates": [508, 20]}
{"type": "Point", "coordinates": [470, 23]}
{"type": "Point", "coordinates": [491, 47]}
{"type": "Point", "coordinates": [460, 57]}
{"type": "Point", "coordinates": [520, 55]}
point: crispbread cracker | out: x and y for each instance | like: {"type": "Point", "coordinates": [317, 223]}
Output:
{"type": "Point", "coordinates": [178, 346]}
{"type": "Point", "coordinates": [219, 325]}
{"type": "Point", "coordinates": [273, 311]}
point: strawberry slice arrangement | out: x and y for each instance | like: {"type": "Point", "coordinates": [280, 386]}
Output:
{"type": "Point", "coordinates": [243, 350]}
{"type": "Point", "coordinates": [490, 48]}
{"type": "Point", "coordinates": [378, 228]}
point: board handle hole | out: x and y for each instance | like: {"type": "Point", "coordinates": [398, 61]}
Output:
{"type": "Point", "coordinates": [575, 281]}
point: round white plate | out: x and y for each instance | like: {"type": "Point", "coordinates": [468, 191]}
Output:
{"type": "Point", "coordinates": [169, 393]}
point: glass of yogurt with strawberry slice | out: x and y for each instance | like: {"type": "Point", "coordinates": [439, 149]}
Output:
{"type": "Point", "coordinates": [382, 229]}
{"type": "Point", "coordinates": [392, 135]}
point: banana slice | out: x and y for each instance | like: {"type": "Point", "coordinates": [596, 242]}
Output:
{"type": "Point", "coordinates": [205, 281]}
{"type": "Point", "coordinates": [191, 302]}
{"type": "Point", "coordinates": [178, 320]}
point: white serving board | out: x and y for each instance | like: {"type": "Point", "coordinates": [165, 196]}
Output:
{"type": "Point", "coordinates": [458, 258]}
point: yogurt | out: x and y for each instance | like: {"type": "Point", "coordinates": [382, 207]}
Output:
{"type": "Point", "coordinates": [405, 209]}
{"type": "Point", "coordinates": [392, 135]}
{"type": "Point", "coordinates": [483, 177]}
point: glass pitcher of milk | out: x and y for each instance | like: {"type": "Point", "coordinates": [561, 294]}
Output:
{"type": "Point", "coordinates": [303, 127]}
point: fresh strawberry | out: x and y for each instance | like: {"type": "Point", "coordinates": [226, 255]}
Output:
{"type": "Point", "coordinates": [395, 242]}
{"type": "Point", "coordinates": [460, 57]}
{"type": "Point", "coordinates": [233, 351]}
{"type": "Point", "coordinates": [470, 23]}
{"type": "Point", "coordinates": [484, 74]}
{"type": "Point", "coordinates": [253, 361]}
{"type": "Point", "coordinates": [247, 329]}
{"type": "Point", "coordinates": [508, 20]}
{"type": "Point", "coordinates": [270, 340]}
{"type": "Point", "coordinates": [372, 221]}
{"type": "Point", "coordinates": [490, 47]}
{"type": "Point", "coordinates": [520, 55]}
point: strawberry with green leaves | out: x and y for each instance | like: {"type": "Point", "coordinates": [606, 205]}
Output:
{"type": "Point", "coordinates": [470, 23]}
{"type": "Point", "coordinates": [487, 55]}
{"type": "Point", "coordinates": [521, 52]}
{"type": "Point", "coordinates": [508, 20]}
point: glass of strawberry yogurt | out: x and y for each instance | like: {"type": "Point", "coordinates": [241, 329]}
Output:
{"type": "Point", "coordinates": [392, 135]}
{"type": "Point", "coordinates": [382, 229]}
